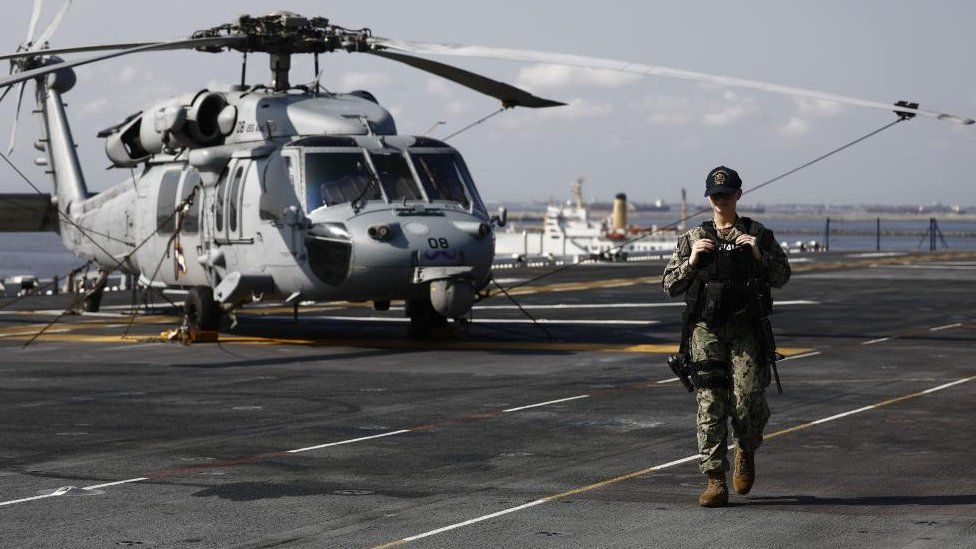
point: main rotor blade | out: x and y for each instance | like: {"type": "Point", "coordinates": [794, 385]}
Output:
{"type": "Point", "coordinates": [509, 95]}
{"type": "Point", "coordinates": [77, 49]}
{"type": "Point", "coordinates": [13, 128]}
{"type": "Point", "coordinates": [52, 26]}
{"type": "Point", "coordinates": [35, 15]}
{"type": "Point", "coordinates": [429, 48]}
{"type": "Point", "coordinates": [188, 43]}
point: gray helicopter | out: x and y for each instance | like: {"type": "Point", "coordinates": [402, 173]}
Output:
{"type": "Point", "coordinates": [276, 192]}
{"type": "Point", "coordinates": [285, 192]}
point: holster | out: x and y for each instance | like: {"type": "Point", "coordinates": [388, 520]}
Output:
{"type": "Point", "coordinates": [680, 363]}
{"type": "Point", "coordinates": [766, 348]}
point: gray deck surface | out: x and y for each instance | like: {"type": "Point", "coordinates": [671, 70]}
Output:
{"type": "Point", "coordinates": [207, 427]}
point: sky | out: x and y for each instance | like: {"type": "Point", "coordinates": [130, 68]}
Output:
{"type": "Point", "coordinates": [645, 136]}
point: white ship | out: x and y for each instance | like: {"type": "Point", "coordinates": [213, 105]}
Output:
{"type": "Point", "coordinates": [568, 231]}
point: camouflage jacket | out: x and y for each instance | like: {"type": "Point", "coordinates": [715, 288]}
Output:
{"type": "Point", "coordinates": [679, 274]}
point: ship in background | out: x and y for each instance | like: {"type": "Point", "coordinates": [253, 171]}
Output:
{"type": "Point", "coordinates": [569, 232]}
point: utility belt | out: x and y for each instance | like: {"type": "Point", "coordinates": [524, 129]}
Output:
{"type": "Point", "coordinates": [716, 302]}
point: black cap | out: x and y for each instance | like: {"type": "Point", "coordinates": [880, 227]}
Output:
{"type": "Point", "coordinates": [722, 180]}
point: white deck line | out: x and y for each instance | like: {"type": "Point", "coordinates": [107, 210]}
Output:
{"type": "Point", "coordinates": [116, 483]}
{"type": "Point", "coordinates": [922, 266]}
{"type": "Point", "coordinates": [875, 254]}
{"type": "Point", "coordinates": [477, 320]}
{"type": "Point", "coordinates": [546, 403]}
{"type": "Point", "coordinates": [32, 498]}
{"type": "Point", "coordinates": [350, 441]}
{"type": "Point", "coordinates": [638, 305]}
{"type": "Point", "coordinates": [476, 520]}
{"type": "Point", "coordinates": [804, 355]}
{"type": "Point", "coordinates": [873, 341]}
{"type": "Point", "coordinates": [946, 327]}
{"type": "Point", "coordinates": [650, 469]}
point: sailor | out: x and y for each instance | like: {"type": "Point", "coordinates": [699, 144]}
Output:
{"type": "Point", "coordinates": [725, 268]}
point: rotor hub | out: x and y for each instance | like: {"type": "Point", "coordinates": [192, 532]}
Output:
{"type": "Point", "coordinates": [285, 33]}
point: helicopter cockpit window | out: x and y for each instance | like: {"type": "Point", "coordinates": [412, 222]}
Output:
{"type": "Point", "coordinates": [469, 181]}
{"type": "Point", "coordinates": [166, 202]}
{"type": "Point", "coordinates": [398, 182]}
{"type": "Point", "coordinates": [440, 177]}
{"type": "Point", "coordinates": [336, 178]}
{"type": "Point", "coordinates": [191, 220]}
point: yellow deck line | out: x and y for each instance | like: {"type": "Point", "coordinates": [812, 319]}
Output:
{"type": "Point", "coordinates": [429, 345]}
{"type": "Point", "coordinates": [648, 470]}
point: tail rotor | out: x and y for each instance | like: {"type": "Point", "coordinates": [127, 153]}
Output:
{"type": "Point", "coordinates": [25, 63]}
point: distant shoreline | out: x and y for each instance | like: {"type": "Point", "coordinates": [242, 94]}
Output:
{"type": "Point", "coordinates": [522, 215]}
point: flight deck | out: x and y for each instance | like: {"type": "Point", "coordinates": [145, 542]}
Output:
{"type": "Point", "coordinates": [552, 422]}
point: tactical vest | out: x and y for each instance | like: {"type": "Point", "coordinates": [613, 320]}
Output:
{"type": "Point", "coordinates": [729, 282]}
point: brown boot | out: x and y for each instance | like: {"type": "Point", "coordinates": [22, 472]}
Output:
{"type": "Point", "coordinates": [716, 494]}
{"type": "Point", "coordinates": [745, 471]}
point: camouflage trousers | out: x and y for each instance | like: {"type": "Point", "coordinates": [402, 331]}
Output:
{"type": "Point", "coordinates": [726, 357]}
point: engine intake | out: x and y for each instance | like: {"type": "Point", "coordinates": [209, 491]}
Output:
{"type": "Point", "coordinates": [188, 121]}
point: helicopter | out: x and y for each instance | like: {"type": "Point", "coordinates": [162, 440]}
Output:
{"type": "Point", "coordinates": [285, 192]}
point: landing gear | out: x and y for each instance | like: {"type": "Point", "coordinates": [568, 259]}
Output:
{"type": "Point", "coordinates": [423, 317]}
{"type": "Point", "coordinates": [92, 301]}
{"type": "Point", "coordinates": [201, 312]}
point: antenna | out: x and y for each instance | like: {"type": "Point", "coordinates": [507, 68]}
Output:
{"type": "Point", "coordinates": [684, 211]}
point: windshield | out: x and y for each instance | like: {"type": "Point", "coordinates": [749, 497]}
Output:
{"type": "Point", "coordinates": [335, 178]}
{"type": "Point", "coordinates": [440, 177]}
{"type": "Point", "coordinates": [398, 182]}
{"type": "Point", "coordinates": [472, 190]}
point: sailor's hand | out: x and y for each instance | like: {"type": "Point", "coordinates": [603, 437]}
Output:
{"type": "Point", "coordinates": [700, 247]}
{"type": "Point", "coordinates": [746, 240]}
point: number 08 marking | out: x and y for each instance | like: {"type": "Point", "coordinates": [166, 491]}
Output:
{"type": "Point", "coordinates": [438, 243]}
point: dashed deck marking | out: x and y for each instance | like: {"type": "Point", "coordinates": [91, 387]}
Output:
{"type": "Point", "coordinates": [350, 441]}
{"type": "Point", "coordinates": [628, 476]}
{"type": "Point", "coordinates": [262, 457]}
{"type": "Point", "coordinates": [546, 403]}
{"type": "Point", "coordinates": [946, 327]}
{"type": "Point", "coordinates": [648, 305]}
{"type": "Point", "coordinates": [477, 321]}
{"type": "Point", "coordinates": [795, 356]}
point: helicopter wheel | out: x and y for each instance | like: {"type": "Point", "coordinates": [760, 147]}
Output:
{"type": "Point", "coordinates": [423, 317]}
{"type": "Point", "coordinates": [201, 312]}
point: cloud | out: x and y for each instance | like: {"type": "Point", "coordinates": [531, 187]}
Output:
{"type": "Point", "coordinates": [218, 85]}
{"type": "Point", "coordinates": [438, 87]}
{"type": "Point", "coordinates": [550, 77]}
{"type": "Point", "coordinates": [93, 107]}
{"type": "Point", "coordinates": [457, 107]}
{"type": "Point", "coordinates": [533, 119]}
{"type": "Point", "coordinates": [665, 109]}
{"type": "Point", "coordinates": [364, 80]}
{"type": "Point", "coordinates": [703, 107]}
{"type": "Point", "coordinates": [817, 108]}
{"type": "Point", "coordinates": [127, 75]}
{"type": "Point", "coordinates": [807, 112]}
{"type": "Point", "coordinates": [730, 109]}
{"type": "Point", "coordinates": [795, 127]}
{"type": "Point", "coordinates": [576, 109]}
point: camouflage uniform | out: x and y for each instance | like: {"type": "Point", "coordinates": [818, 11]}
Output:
{"type": "Point", "coordinates": [733, 344]}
